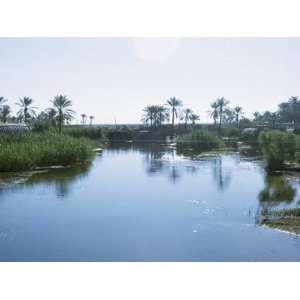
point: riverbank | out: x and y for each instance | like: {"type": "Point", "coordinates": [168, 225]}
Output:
{"type": "Point", "coordinates": [287, 220]}
{"type": "Point", "coordinates": [28, 151]}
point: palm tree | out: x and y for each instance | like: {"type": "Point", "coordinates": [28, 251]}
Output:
{"type": "Point", "coordinates": [214, 114]}
{"type": "Point", "coordinates": [26, 110]}
{"type": "Point", "coordinates": [149, 114]}
{"type": "Point", "coordinates": [174, 104]}
{"type": "Point", "coordinates": [238, 112]}
{"type": "Point", "coordinates": [221, 103]}
{"type": "Point", "coordinates": [5, 111]}
{"type": "Point", "coordinates": [2, 101]}
{"type": "Point", "coordinates": [61, 104]}
{"type": "Point", "coordinates": [161, 114]}
{"type": "Point", "coordinates": [91, 119]}
{"type": "Point", "coordinates": [51, 115]}
{"type": "Point", "coordinates": [83, 116]}
{"type": "Point", "coordinates": [194, 118]}
{"type": "Point", "coordinates": [228, 115]}
{"type": "Point", "coordinates": [257, 116]}
{"type": "Point", "coordinates": [187, 114]}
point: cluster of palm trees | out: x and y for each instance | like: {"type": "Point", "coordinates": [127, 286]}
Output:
{"type": "Point", "coordinates": [222, 113]}
{"type": "Point", "coordinates": [84, 118]}
{"type": "Point", "coordinates": [58, 114]}
{"type": "Point", "coordinates": [4, 110]}
{"type": "Point", "coordinates": [156, 115]}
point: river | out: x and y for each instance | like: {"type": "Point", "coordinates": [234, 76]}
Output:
{"type": "Point", "coordinates": [148, 203]}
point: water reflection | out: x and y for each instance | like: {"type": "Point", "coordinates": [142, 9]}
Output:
{"type": "Point", "coordinates": [174, 163]}
{"type": "Point", "coordinates": [222, 177]}
{"type": "Point", "coordinates": [147, 203]}
{"type": "Point", "coordinates": [61, 178]}
{"type": "Point", "coordinates": [277, 190]}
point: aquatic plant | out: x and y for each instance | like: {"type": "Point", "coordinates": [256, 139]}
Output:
{"type": "Point", "coordinates": [277, 148]}
{"type": "Point", "coordinates": [21, 152]}
{"type": "Point", "coordinates": [284, 219]}
{"type": "Point", "coordinates": [86, 132]}
{"type": "Point", "coordinates": [200, 139]}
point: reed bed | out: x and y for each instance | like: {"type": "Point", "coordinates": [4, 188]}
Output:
{"type": "Point", "coordinates": [27, 151]}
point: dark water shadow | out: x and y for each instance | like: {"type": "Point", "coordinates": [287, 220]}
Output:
{"type": "Point", "coordinates": [61, 178]}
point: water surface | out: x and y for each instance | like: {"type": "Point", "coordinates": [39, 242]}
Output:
{"type": "Point", "coordinates": [147, 203]}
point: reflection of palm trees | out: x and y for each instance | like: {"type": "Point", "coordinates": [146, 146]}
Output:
{"type": "Point", "coordinates": [277, 190]}
{"type": "Point", "coordinates": [155, 162]}
{"type": "Point", "coordinates": [221, 177]}
{"type": "Point", "coordinates": [174, 174]}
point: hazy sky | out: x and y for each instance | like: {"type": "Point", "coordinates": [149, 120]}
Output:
{"type": "Point", "coordinates": [117, 77]}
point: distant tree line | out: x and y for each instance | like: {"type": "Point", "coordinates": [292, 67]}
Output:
{"type": "Point", "coordinates": [221, 113]}
{"type": "Point", "coordinates": [59, 114]}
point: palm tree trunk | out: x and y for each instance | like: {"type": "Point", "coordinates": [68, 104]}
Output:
{"type": "Point", "coordinates": [173, 116]}
{"type": "Point", "coordinates": [60, 122]}
{"type": "Point", "coordinates": [25, 115]}
{"type": "Point", "coordinates": [221, 116]}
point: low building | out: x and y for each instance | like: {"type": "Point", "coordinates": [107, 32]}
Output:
{"type": "Point", "coordinates": [13, 128]}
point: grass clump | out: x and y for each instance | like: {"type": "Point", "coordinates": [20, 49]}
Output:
{"type": "Point", "coordinates": [86, 132]}
{"type": "Point", "coordinates": [284, 219]}
{"type": "Point", "coordinates": [200, 140]}
{"type": "Point", "coordinates": [277, 148]}
{"type": "Point", "coordinates": [27, 151]}
{"type": "Point", "coordinates": [287, 212]}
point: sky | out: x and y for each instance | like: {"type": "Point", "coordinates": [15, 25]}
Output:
{"type": "Point", "coordinates": [115, 78]}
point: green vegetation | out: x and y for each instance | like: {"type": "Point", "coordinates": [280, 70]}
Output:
{"type": "Point", "coordinates": [277, 147]}
{"type": "Point", "coordinates": [86, 132]}
{"type": "Point", "coordinates": [200, 140]}
{"type": "Point", "coordinates": [284, 219]}
{"type": "Point", "coordinates": [21, 152]}
{"type": "Point", "coordinates": [287, 212]}
{"type": "Point", "coordinates": [230, 131]}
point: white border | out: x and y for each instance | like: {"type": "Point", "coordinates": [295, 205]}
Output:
{"type": "Point", "coordinates": [149, 281]}
{"type": "Point", "coordinates": [232, 18]}
{"type": "Point", "coordinates": [212, 18]}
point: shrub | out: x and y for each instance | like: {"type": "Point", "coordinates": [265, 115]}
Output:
{"type": "Point", "coordinates": [41, 126]}
{"type": "Point", "coordinates": [21, 152]}
{"type": "Point", "coordinates": [230, 131]}
{"type": "Point", "coordinates": [87, 132]}
{"type": "Point", "coordinates": [200, 140]}
{"type": "Point", "coordinates": [277, 147]}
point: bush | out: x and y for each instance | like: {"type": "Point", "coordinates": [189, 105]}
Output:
{"type": "Point", "coordinates": [41, 126]}
{"type": "Point", "coordinates": [21, 152]}
{"type": "Point", "coordinates": [230, 131]}
{"type": "Point", "coordinates": [87, 132]}
{"type": "Point", "coordinates": [277, 147]}
{"type": "Point", "coordinates": [200, 140]}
